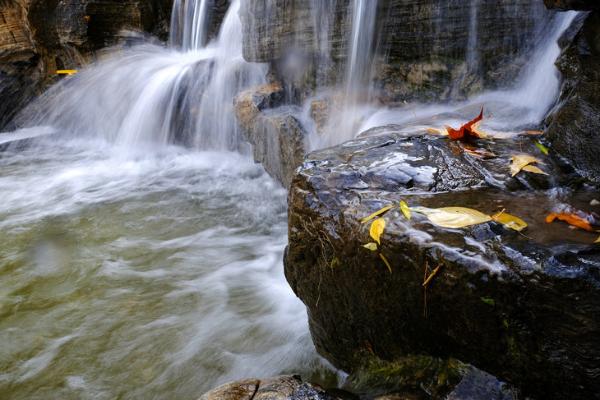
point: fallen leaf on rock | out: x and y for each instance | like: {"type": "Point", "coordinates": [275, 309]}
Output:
{"type": "Point", "coordinates": [597, 240]}
{"type": "Point", "coordinates": [376, 214]}
{"type": "Point", "coordinates": [520, 161]}
{"type": "Point", "coordinates": [377, 228]}
{"type": "Point", "coordinates": [466, 131]}
{"type": "Point", "coordinates": [453, 217]}
{"type": "Point", "coordinates": [570, 219]}
{"type": "Point", "coordinates": [436, 131]}
{"type": "Point", "coordinates": [510, 221]}
{"type": "Point", "coordinates": [489, 301]}
{"type": "Point", "coordinates": [534, 169]}
{"type": "Point", "coordinates": [479, 153]}
{"type": "Point", "coordinates": [66, 72]}
{"type": "Point", "coordinates": [405, 210]}
{"type": "Point", "coordinates": [371, 246]}
{"type": "Point", "coordinates": [541, 147]}
{"type": "Point", "coordinates": [533, 132]}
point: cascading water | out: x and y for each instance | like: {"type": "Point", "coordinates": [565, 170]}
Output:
{"type": "Point", "coordinates": [132, 268]}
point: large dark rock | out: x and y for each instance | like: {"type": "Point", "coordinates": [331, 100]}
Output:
{"type": "Point", "coordinates": [581, 5]}
{"type": "Point", "coordinates": [524, 307]}
{"type": "Point", "coordinates": [574, 125]}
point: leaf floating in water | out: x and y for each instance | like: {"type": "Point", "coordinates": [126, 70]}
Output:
{"type": "Point", "coordinates": [466, 131]}
{"type": "Point", "coordinates": [510, 221]}
{"type": "Point", "coordinates": [376, 214]}
{"type": "Point", "coordinates": [519, 162]}
{"type": "Point", "coordinates": [386, 262]}
{"type": "Point", "coordinates": [541, 147]}
{"type": "Point", "coordinates": [377, 228]}
{"type": "Point", "coordinates": [571, 219]}
{"type": "Point", "coordinates": [371, 246]}
{"type": "Point", "coordinates": [405, 210]}
{"type": "Point", "coordinates": [66, 72]}
{"type": "Point", "coordinates": [453, 217]}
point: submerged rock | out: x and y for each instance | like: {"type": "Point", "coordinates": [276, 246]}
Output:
{"type": "Point", "coordinates": [278, 388]}
{"type": "Point", "coordinates": [574, 125]}
{"type": "Point", "coordinates": [524, 307]}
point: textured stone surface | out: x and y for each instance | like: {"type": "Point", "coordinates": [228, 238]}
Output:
{"type": "Point", "coordinates": [574, 125]}
{"type": "Point", "coordinates": [277, 388]}
{"type": "Point", "coordinates": [37, 37]}
{"type": "Point", "coordinates": [523, 307]}
{"type": "Point", "coordinates": [426, 49]}
{"type": "Point", "coordinates": [276, 135]}
{"type": "Point", "coordinates": [582, 5]}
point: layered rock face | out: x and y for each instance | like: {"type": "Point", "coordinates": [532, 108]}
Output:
{"type": "Point", "coordinates": [524, 307]}
{"type": "Point", "coordinates": [38, 37]}
{"type": "Point", "coordinates": [574, 125]}
{"type": "Point", "coordinates": [422, 49]}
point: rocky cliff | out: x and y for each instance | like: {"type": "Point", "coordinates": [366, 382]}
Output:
{"type": "Point", "coordinates": [38, 37]}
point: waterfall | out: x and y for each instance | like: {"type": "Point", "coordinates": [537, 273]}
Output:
{"type": "Point", "coordinates": [152, 95]}
{"type": "Point", "coordinates": [361, 45]}
{"type": "Point", "coordinates": [189, 24]}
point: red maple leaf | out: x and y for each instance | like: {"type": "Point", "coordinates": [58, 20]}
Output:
{"type": "Point", "coordinates": [466, 131]}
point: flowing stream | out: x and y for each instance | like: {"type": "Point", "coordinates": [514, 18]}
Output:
{"type": "Point", "coordinates": [134, 268]}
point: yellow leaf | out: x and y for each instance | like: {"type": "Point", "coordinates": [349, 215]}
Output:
{"type": "Point", "coordinates": [597, 240]}
{"type": "Point", "coordinates": [376, 214]}
{"type": "Point", "coordinates": [371, 246]}
{"type": "Point", "coordinates": [435, 131]}
{"type": "Point", "coordinates": [510, 221]}
{"type": "Point", "coordinates": [453, 217]}
{"type": "Point", "coordinates": [377, 228]}
{"type": "Point", "coordinates": [520, 161]}
{"type": "Point", "coordinates": [66, 72]}
{"type": "Point", "coordinates": [405, 210]}
{"type": "Point", "coordinates": [534, 169]}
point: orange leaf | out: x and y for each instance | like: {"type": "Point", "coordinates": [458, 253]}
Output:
{"type": "Point", "coordinates": [570, 219]}
{"type": "Point", "coordinates": [466, 130]}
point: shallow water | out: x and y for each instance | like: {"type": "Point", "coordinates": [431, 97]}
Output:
{"type": "Point", "coordinates": [147, 275]}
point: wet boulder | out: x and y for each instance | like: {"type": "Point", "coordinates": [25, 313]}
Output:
{"type": "Point", "coordinates": [581, 5]}
{"type": "Point", "coordinates": [574, 125]}
{"type": "Point", "coordinates": [523, 306]}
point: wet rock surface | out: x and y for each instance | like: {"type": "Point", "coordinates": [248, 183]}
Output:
{"type": "Point", "coordinates": [275, 133]}
{"type": "Point", "coordinates": [278, 388]}
{"type": "Point", "coordinates": [581, 5]}
{"type": "Point", "coordinates": [524, 307]}
{"type": "Point", "coordinates": [574, 125]}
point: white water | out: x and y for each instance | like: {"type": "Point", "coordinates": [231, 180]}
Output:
{"type": "Point", "coordinates": [132, 268]}
{"type": "Point", "coordinates": [525, 104]}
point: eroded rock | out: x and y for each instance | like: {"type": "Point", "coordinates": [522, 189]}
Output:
{"type": "Point", "coordinates": [523, 307]}
{"type": "Point", "coordinates": [574, 125]}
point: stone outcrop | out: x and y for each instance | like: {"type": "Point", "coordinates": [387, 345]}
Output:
{"type": "Point", "coordinates": [574, 125]}
{"type": "Point", "coordinates": [38, 37]}
{"type": "Point", "coordinates": [524, 307]}
{"type": "Point", "coordinates": [275, 133]}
